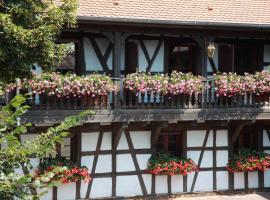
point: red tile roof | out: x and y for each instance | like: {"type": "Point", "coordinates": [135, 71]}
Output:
{"type": "Point", "coordinates": [255, 12]}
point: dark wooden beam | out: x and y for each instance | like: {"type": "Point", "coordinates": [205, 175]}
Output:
{"type": "Point", "coordinates": [117, 132]}
{"type": "Point", "coordinates": [213, 65]}
{"type": "Point", "coordinates": [152, 60]}
{"type": "Point", "coordinates": [102, 58]}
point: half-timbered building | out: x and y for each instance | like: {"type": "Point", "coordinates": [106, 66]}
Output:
{"type": "Point", "coordinates": [118, 37]}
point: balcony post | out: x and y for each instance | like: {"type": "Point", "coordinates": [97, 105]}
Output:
{"type": "Point", "coordinates": [117, 67]}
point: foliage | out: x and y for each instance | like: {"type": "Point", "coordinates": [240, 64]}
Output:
{"type": "Point", "coordinates": [175, 84]}
{"type": "Point", "coordinates": [54, 171]}
{"type": "Point", "coordinates": [168, 164]}
{"type": "Point", "coordinates": [28, 32]}
{"type": "Point", "coordinates": [69, 85]}
{"type": "Point", "coordinates": [15, 154]}
{"type": "Point", "coordinates": [249, 160]}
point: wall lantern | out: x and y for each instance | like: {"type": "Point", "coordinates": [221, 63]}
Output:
{"type": "Point", "coordinates": [211, 48]}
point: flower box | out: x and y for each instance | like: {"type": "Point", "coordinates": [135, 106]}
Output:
{"type": "Point", "coordinates": [56, 171]}
{"type": "Point", "coordinates": [249, 160]}
{"type": "Point", "coordinates": [167, 164]}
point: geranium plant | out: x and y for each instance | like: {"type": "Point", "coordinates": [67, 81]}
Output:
{"type": "Point", "coordinates": [249, 160]}
{"type": "Point", "coordinates": [59, 170]}
{"type": "Point", "coordinates": [70, 85]}
{"type": "Point", "coordinates": [167, 164]}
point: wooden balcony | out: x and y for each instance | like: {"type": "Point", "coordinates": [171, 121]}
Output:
{"type": "Point", "coordinates": [126, 106]}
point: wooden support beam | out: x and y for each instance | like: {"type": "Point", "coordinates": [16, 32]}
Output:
{"type": "Point", "coordinates": [238, 130]}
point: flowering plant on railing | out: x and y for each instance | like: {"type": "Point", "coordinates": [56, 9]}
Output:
{"type": "Point", "coordinates": [262, 82]}
{"type": "Point", "coordinates": [59, 170]}
{"type": "Point", "coordinates": [175, 84]}
{"type": "Point", "coordinates": [185, 83]}
{"type": "Point", "coordinates": [249, 160]}
{"type": "Point", "coordinates": [232, 84]}
{"type": "Point", "coordinates": [144, 83]}
{"type": "Point", "coordinates": [229, 84]}
{"type": "Point", "coordinates": [167, 164]}
{"type": "Point", "coordinates": [70, 85]}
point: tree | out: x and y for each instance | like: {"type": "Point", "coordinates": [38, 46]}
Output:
{"type": "Point", "coordinates": [28, 32]}
{"type": "Point", "coordinates": [15, 154]}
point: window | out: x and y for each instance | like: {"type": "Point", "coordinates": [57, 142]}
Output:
{"type": "Point", "coordinates": [170, 143]}
{"type": "Point", "coordinates": [181, 58]}
{"type": "Point", "coordinates": [69, 60]}
{"type": "Point", "coordinates": [240, 58]}
{"type": "Point", "coordinates": [248, 138]}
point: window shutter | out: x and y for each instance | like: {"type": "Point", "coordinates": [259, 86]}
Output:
{"type": "Point", "coordinates": [225, 58]}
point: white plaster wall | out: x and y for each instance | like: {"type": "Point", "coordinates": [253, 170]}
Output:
{"type": "Point", "coordinates": [101, 187]}
{"type": "Point", "coordinates": [195, 138]}
{"type": "Point", "coordinates": [106, 143]}
{"type": "Point", "coordinates": [177, 183]}
{"type": "Point", "coordinates": [87, 161]}
{"type": "Point", "coordinates": [266, 141]}
{"type": "Point", "coordinates": [141, 139]}
{"type": "Point", "coordinates": [221, 138]}
{"type": "Point", "coordinates": [147, 178]}
{"type": "Point", "coordinates": [266, 178]}
{"type": "Point", "coordinates": [143, 160]}
{"type": "Point", "coordinates": [222, 157]}
{"type": "Point", "coordinates": [91, 60]}
{"type": "Point", "coordinates": [161, 184]}
{"type": "Point", "coordinates": [128, 186]}
{"type": "Point", "coordinates": [122, 145]}
{"type": "Point", "coordinates": [124, 163]}
{"type": "Point", "coordinates": [66, 191]}
{"type": "Point", "coordinates": [222, 180]}
{"type": "Point", "coordinates": [104, 164]}
{"type": "Point", "coordinates": [207, 160]}
{"type": "Point", "coordinates": [89, 141]}
{"type": "Point", "coordinates": [215, 59]}
{"type": "Point", "coordinates": [253, 180]}
{"type": "Point", "coordinates": [267, 174]}
{"type": "Point", "coordinates": [202, 179]}
{"type": "Point", "coordinates": [151, 45]}
{"type": "Point", "coordinates": [239, 180]}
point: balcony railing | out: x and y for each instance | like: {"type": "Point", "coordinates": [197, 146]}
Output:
{"type": "Point", "coordinates": [206, 99]}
